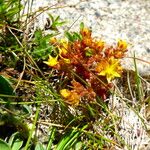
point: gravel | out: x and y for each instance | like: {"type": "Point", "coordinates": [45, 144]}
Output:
{"type": "Point", "coordinates": [110, 20]}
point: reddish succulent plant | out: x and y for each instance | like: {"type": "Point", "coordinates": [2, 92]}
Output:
{"type": "Point", "coordinates": [90, 64]}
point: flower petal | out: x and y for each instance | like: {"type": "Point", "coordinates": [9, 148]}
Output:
{"type": "Point", "coordinates": [65, 93]}
{"type": "Point", "coordinates": [52, 61]}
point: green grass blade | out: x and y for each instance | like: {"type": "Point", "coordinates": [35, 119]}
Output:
{"type": "Point", "coordinates": [138, 81]}
{"type": "Point", "coordinates": [69, 139]}
{"type": "Point", "coordinates": [51, 138]}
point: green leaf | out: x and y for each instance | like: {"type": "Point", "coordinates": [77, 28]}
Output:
{"type": "Point", "coordinates": [4, 145]}
{"type": "Point", "coordinates": [55, 22]}
{"type": "Point", "coordinates": [81, 26]}
{"type": "Point", "coordinates": [51, 17]}
{"type": "Point", "coordinates": [78, 146]}
{"type": "Point", "coordinates": [38, 35]}
{"type": "Point", "coordinates": [139, 89]}
{"type": "Point", "coordinates": [57, 18]}
{"type": "Point", "coordinates": [73, 36]}
{"type": "Point", "coordinates": [69, 36]}
{"type": "Point", "coordinates": [77, 36]}
{"type": "Point", "coordinates": [69, 139]}
{"type": "Point", "coordinates": [12, 12]}
{"type": "Point", "coordinates": [17, 144]}
{"type": "Point", "coordinates": [89, 52]}
{"type": "Point", "coordinates": [42, 46]}
{"type": "Point", "coordinates": [39, 146]}
{"type": "Point", "coordinates": [14, 142]}
{"type": "Point", "coordinates": [5, 86]}
{"type": "Point", "coordinates": [27, 109]}
{"type": "Point", "coordinates": [58, 24]}
{"type": "Point", "coordinates": [11, 139]}
{"type": "Point", "coordinates": [51, 138]}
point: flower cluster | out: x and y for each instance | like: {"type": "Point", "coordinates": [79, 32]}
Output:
{"type": "Point", "coordinates": [90, 65]}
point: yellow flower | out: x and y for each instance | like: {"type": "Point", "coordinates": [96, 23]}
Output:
{"type": "Point", "coordinates": [70, 97]}
{"type": "Point", "coordinates": [100, 44]}
{"type": "Point", "coordinates": [63, 50]}
{"type": "Point", "coordinates": [63, 47]}
{"type": "Point", "coordinates": [86, 32]}
{"type": "Point", "coordinates": [52, 61]}
{"type": "Point", "coordinates": [53, 40]}
{"type": "Point", "coordinates": [122, 44]}
{"type": "Point", "coordinates": [73, 99]}
{"type": "Point", "coordinates": [109, 68]}
{"type": "Point", "coordinates": [65, 93]}
{"type": "Point", "coordinates": [66, 60]}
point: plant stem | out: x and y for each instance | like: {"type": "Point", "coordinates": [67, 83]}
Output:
{"type": "Point", "coordinates": [33, 128]}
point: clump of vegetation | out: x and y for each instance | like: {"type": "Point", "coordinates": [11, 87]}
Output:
{"type": "Point", "coordinates": [89, 64]}
{"type": "Point", "coordinates": [54, 92]}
